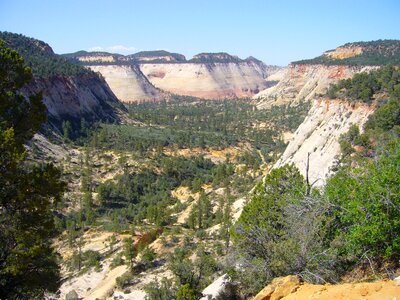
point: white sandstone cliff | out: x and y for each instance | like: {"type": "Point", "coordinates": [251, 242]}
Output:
{"type": "Point", "coordinates": [128, 83]}
{"type": "Point", "coordinates": [319, 134]}
{"type": "Point", "coordinates": [209, 80]}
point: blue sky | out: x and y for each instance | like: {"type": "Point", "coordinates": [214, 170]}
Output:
{"type": "Point", "coordinates": [276, 32]}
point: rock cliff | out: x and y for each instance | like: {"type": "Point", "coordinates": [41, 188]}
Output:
{"type": "Point", "coordinates": [72, 98]}
{"type": "Point", "coordinates": [319, 134]}
{"type": "Point", "coordinates": [128, 83]}
{"type": "Point", "coordinates": [209, 80]}
{"type": "Point", "coordinates": [70, 92]}
{"type": "Point", "coordinates": [305, 82]}
{"type": "Point", "coordinates": [145, 75]}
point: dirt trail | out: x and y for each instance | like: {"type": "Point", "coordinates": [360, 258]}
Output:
{"type": "Point", "coordinates": [104, 288]}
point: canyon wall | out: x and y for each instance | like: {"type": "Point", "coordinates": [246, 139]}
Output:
{"type": "Point", "coordinates": [305, 82]}
{"type": "Point", "coordinates": [318, 135]}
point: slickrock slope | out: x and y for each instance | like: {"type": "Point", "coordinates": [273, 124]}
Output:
{"type": "Point", "coordinates": [128, 83]}
{"type": "Point", "coordinates": [319, 134]}
{"type": "Point", "coordinates": [305, 82]}
{"type": "Point", "coordinates": [208, 80]}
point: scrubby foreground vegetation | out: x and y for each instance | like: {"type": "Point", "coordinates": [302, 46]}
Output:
{"type": "Point", "coordinates": [349, 227]}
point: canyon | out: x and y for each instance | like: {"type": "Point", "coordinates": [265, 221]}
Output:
{"type": "Point", "coordinates": [126, 149]}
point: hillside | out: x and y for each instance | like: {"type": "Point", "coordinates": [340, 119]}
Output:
{"type": "Point", "coordinates": [70, 91]}
{"type": "Point", "coordinates": [342, 231]}
{"type": "Point", "coordinates": [40, 57]}
{"type": "Point", "coordinates": [305, 82]}
{"type": "Point", "coordinates": [319, 135]}
{"type": "Point", "coordinates": [206, 75]}
{"type": "Point", "coordinates": [373, 53]}
{"type": "Point", "coordinates": [179, 175]}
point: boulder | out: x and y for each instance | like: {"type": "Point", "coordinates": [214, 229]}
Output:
{"type": "Point", "coordinates": [279, 288]}
{"type": "Point", "coordinates": [397, 280]}
{"type": "Point", "coordinates": [72, 295]}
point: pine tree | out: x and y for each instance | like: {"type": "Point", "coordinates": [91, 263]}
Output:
{"type": "Point", "coordinates": [27, 262]}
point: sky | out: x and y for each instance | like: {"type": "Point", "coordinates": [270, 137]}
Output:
{"type": "Point", "coordinates": [277, 32]}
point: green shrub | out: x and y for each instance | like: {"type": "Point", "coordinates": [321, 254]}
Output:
{"type": "Point", "coordinates": [367, 198]}
{"type": "Point", "coordinates": [117, 261]}
{"type": "Point", "coordinates": [124, 280]}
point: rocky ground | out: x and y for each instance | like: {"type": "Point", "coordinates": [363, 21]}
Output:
{"type": "Point", "coordinates": [291, 288]}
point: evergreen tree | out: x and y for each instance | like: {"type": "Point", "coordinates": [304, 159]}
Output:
{"type": "Point", "coordinates": [129, 251]}
{"type": "Point", "coordinates": [27, 262]}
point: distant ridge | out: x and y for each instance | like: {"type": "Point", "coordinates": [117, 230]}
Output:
{"type": "Point", "coordinates": [373, 53]}
{"type": "Point", "coordinates": [156, 56]}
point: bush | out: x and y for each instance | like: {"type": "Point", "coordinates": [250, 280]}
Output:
{"type": "Point", "coordinates": [124, 280]}
{"type": "Point", "coordinates": [282, 231]}
{"type": "Point", "coordinates": [163, 290]}
{"type": "Point", "coordinates": [117, 261]}
{"type": "Point", "coordinates": [92, 259]}
{"type": "Point", "coordinates": [147, 257]}
{"type": "Point", "coordinates": [367, 201]}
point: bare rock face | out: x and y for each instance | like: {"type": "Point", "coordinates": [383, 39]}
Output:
{"type": "Point", "coordinates": [153, 75]}
{"type": "Point", "coordinates": [74, 97]}
{"type": "Point", "coordinates": [128, 83]}
{"type": "Point", "coordinates": [280, 287]}
{"type": "Point", "coordinates": [305, 82]}
{"type": "Point", "coordinates": [208, 80]}
{"type": "Point", "coordinates": [319, 135]}
{"type": "Point", "coordinates": [344, 52]}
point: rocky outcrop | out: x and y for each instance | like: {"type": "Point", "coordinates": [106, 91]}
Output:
{"type": "Point", "coordinates": [344, 52]}
{"type": "Point", "coordinates": [279, 288]}
{"type": "Point", "coordinates": [128, 83]}
{"type": "Point", "coordinates": [305, 82]}
{"type": "Point", "coordinates": [319, 134]}
{"type": "Point", "coordinates": [290, 288]}
{"type": "Point", "coordinates": [84, 96]}
{"type": "Point", "coordinates": [215, 288]}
